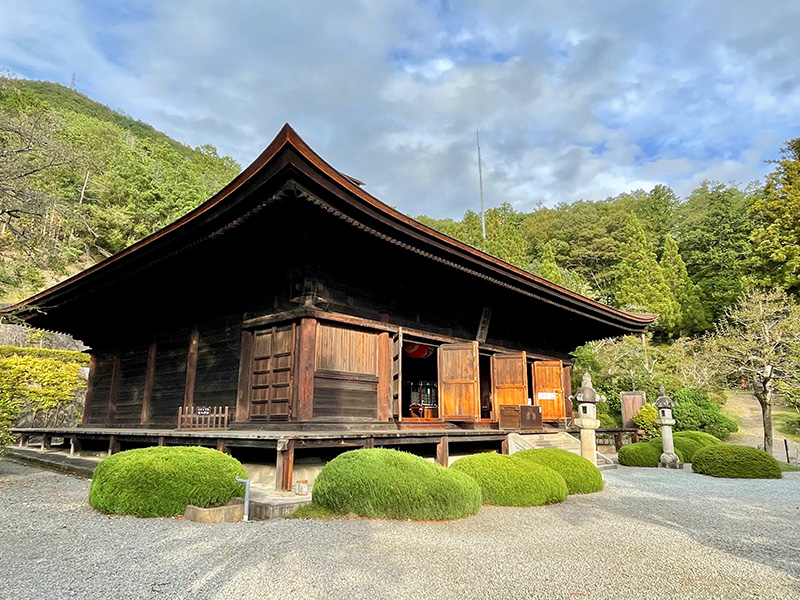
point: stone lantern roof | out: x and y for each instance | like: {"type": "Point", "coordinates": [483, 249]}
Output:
{"type": "Point", "coordinates": [663, 400]}
{"type": "Point", "coordinates": [587, 393]}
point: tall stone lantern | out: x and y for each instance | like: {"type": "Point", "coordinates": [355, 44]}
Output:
{"type": "Point", "coordinates": [587, 397]}
{"type": "Point", "coordinates": [664, 405]}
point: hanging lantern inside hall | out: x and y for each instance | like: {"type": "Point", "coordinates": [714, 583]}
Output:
{"type": "Point", "coordinates": [417, 350]}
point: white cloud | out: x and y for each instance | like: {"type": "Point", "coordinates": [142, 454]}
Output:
{"type": "Point", "coordinates": [573, 100]}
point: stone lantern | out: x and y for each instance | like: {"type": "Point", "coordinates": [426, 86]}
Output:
{"type": "Point", "coordinates": [587, 397]}
{"type": "Point", "coordinates": [664, 405]}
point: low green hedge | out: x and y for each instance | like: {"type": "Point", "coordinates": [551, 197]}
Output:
{"type": "Point", "coordinates": [581, 476]}
{"type": "Point", "coordinates": [741, 462]}
{"type": "Point", "coordinates": [505, 481]}
{"type": "Point", "coordinates": [388, 484]}
{"type": "Point", "coordinates": [67, 356]}
{"type": "Point", "coordinates": [163, 481]}
{"type": "Point", "coordinates": [648, 454]}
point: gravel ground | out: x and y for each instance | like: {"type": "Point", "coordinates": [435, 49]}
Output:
{"type": "Point", "coordinates": [650, 534]}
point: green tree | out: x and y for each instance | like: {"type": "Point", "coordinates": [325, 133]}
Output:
{"type": "Point", "coordinates": [713, 234]}
{"type": "Point", "coordinates": [758, 342]}
{"type": "Point", "coordinates": [776, 212]}
{"type": "Point", "coordinates": [639, 281]}
{"type": "Point", "coordinates": [547, 268]}
{"type": "Point", "coordinates": [693, 315]}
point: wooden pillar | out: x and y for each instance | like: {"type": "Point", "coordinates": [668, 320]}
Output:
{"type": "Point", "coordinates": [504, 446]}
{"type": "Point", "coordinates": [384, 377]}
{"type": "Point", "coordinates": [617, 441]}
{"type": "Point", "coordinates": [149, 374]}
{"type": "Point", "coordinates": [245, 373]}
{"type": "Point", "coordinates": [566, 384]}
{"type": "Point", "coordinates": [74, 446]}
{"type": "Point", "coordinates": [222, 446]}
{"type": "Point", "coordinates": [369, 442]}
{"type": "Point", "coordinates": [161, 440]}
{"type": "Point", "coordinates": [90, 383]}
{"type": "Point", "coordinates": [46, 440]}
{"type": "Point", "coordinates": [113, 445]}
{"type": "Point", "coordinates": [113, 392]}
{"type": "Point", "coordinates": [284, 467]}
{"type": "Point", "coordinates": [191, 369]}
{"type": "Point", "coordinates": [23, 440]}
{"type": "Point", "coordinates": [306, 365]}
{"type": "Point", "coordinates": [443, 451]}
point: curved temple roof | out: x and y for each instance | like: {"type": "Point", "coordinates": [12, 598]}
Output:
{"type": "Point", "coordinates": [289, 148]}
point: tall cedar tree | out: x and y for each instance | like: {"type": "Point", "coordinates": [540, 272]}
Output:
{"type": "Point", "coordinates": [776, 212]}
{"type": "Point", "coordinates": [639, 283]}
{"type": "Point", "coordinates": [713, 234]}
{"type": "Point", "coordinates": [694, 317]}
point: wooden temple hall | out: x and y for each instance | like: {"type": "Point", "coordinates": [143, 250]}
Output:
{"type": "Point", "coordinates": [295, 313]}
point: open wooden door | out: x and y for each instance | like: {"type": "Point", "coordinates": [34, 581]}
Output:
{"type": "Point", "coordinates": [548, 390]}
{"type": "Point", "coordinates": [397, 373]}
{"type": "Point", "coordinates": [509, 381]}
{"type": "Point", "coordinates": [459, 386]}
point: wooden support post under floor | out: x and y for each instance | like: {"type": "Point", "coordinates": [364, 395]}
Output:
{"type": "Point", "coordinates": [74, 446]}
{"type": "Point", "coordinates": [23, 441]}
{"type": "Point", "coordinates": [161, 440]}
{"type": "Point", "coordinates": [284, 467]}
{"type": "Point", "coordinates": [504, 446]}
{"type": "Point", "coordinates": [443, 451]}
{"type": "Point", "coordinates": [369, 442]}
{"type": "Point", "coordinates": [222, 446]}
{"type": "Point", "coordinates": [113, 445]}
{"type": "Point", "coordinates": [46, 440]}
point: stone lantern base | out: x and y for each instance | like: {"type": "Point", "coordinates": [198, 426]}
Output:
{"type": "Point", "coordinates": [670, 461]}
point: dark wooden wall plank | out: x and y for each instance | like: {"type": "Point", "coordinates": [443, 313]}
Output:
{"type": "Point", "coordinates": [147, 394]}
{"type": "Point", "coordinates": [114, 390]}
{"type": "Point", "coordinates": [191, 369]}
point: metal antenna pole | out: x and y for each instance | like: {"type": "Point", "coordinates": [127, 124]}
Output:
{"type": "Point", "coordinates": [480, 182]}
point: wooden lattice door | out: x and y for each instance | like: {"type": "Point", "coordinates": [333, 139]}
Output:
{"type": "Point", "coordinates": [397, 374]}
{"type": "Point", "coordinates": [273, 369]}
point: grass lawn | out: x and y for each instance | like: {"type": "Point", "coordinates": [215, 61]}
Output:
{"type": "Point", "coordinates": [781, 417]}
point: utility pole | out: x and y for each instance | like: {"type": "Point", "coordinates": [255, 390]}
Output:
{"type": "Point", "coordinates": [480, 182]}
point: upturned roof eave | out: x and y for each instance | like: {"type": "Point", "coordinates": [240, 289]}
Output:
{"type": "Point", "coordinates": [287, 136]}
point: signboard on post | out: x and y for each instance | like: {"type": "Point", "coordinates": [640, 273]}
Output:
{"type": "Point", "coordinates": [202, 411]}
{"type": "Point", "coordinates": [631, 402]}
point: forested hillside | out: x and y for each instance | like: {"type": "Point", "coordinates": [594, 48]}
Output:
{"type": "Point", "coordinates": [79, 182]}
{"type": "Point", "coordinates": [686, 259]}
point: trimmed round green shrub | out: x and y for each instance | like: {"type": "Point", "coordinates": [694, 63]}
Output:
{"type": "Point", "coordinates": [581, 476]}
{"type": "Point", "coordinates": [505, 481]}
{"type": "Point", "coordinates": [740, 462]}
{"type": "Point", "coordinates": [648, 454]}
{"type": "Point", "coordinates": [162, 481]}
{"type": "Point", "coordinates": [388, 484]}
{"type": "Point", "coordinates": [690, 442]}
{"type": "Point", "coordinates": [644, 454]}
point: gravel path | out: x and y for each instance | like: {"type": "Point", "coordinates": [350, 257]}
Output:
{"type": "Point", "coordinates": [751, 429]}
{"type": "Point", "coordinates": [650, 534]}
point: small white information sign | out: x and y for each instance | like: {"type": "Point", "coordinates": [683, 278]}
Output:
{"type": "Point", "coordinates": [546, 396]}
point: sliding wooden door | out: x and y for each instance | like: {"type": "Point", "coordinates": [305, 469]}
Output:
{"type": "Point", "coordinates": [509, 380]}
{"type": "Point", "coordinates": [548, 390]}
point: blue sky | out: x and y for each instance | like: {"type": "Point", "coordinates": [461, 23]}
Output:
{"type": "Point", "coordinates": [574, 100]}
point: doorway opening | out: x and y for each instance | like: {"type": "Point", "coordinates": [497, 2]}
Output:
{"type": "Point", "coordinates": [420, 394]}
